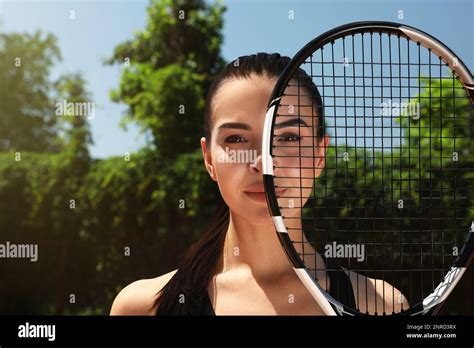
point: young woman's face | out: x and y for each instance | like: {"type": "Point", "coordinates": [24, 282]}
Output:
{"type": "Point", "coordinates": [233, 158]}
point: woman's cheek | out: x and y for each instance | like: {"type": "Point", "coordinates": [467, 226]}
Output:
{"type": "Point", "coordinates": [228, 179]}
{"type": "Point", "coordinates": [298, 181]}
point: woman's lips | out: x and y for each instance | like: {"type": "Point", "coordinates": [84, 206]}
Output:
{"type": "Point", "coordinates": [260, 196]}
{"type": "Point", "coordinates": [257, 196]}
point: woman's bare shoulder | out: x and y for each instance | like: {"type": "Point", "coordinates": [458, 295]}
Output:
{"type": "Point", "coordinates": [138, 298]}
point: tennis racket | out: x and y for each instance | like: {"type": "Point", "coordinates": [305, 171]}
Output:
{"type": "Point", "coordinates": [368, 165]}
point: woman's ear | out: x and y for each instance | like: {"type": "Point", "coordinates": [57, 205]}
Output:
{"type": "Point", "coordinates": [206, 154]}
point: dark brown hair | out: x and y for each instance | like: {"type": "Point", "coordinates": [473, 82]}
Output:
{"type": "Point", "coordinates": [199, 265]}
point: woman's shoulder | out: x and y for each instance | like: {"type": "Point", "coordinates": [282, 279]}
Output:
{"type": "Point", "coordinates": [138, 298]}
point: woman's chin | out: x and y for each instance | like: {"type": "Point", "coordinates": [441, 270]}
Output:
{"type": "Point", "coordinates": [258, 215]}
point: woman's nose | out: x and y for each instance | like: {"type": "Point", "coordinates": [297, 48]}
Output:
{"type": "Point", "coordinates": [256, 165]}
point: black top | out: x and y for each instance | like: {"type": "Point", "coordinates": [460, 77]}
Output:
{"type": "Point", "coordinates": [340, 289]}
{"type": "Point", "coordinates": [340, 284]}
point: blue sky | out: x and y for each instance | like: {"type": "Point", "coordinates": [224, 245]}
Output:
{"type": "Point", "coordinates": [249, 26]}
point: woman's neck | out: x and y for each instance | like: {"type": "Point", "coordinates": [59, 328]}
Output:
{"type": "Point", "coordinates": [254, 247]}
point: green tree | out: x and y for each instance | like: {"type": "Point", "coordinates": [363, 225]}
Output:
{"type": "Point", "coordinates": [27, 120]}
{"type": "Point", "coordinates": [49, 212]}
{"type": "Point", "coordinates": [75, 128]}
{"type": "Point", "coordinates": [167, 70]}
{"type": "Point", "coordinates": [135, 215]}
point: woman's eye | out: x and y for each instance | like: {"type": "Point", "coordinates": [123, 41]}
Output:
{"type": "Point", "coordinates": [235, 139]}
{"type": "Point", "coordinates": [289, 138]}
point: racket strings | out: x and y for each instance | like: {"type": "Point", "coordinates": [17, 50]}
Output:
{"type": "Point", "coordinates": [394, 176]}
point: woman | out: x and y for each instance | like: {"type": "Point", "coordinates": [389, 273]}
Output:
{"type": "Point", "coordinates": [239, 267]}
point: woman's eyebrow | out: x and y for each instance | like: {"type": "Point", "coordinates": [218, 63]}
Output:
{"type": "Point", "coordinates": [290, 123]}
{"type": "Point", "coordinates": [235, 125]}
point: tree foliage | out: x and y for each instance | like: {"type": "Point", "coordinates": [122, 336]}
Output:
{"type": "Point", "coordinates": [27, 120]}
{"type": "Point", "coordinates": [167, 70]}
{"type": "Point", "coordinates": [101, 224]}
